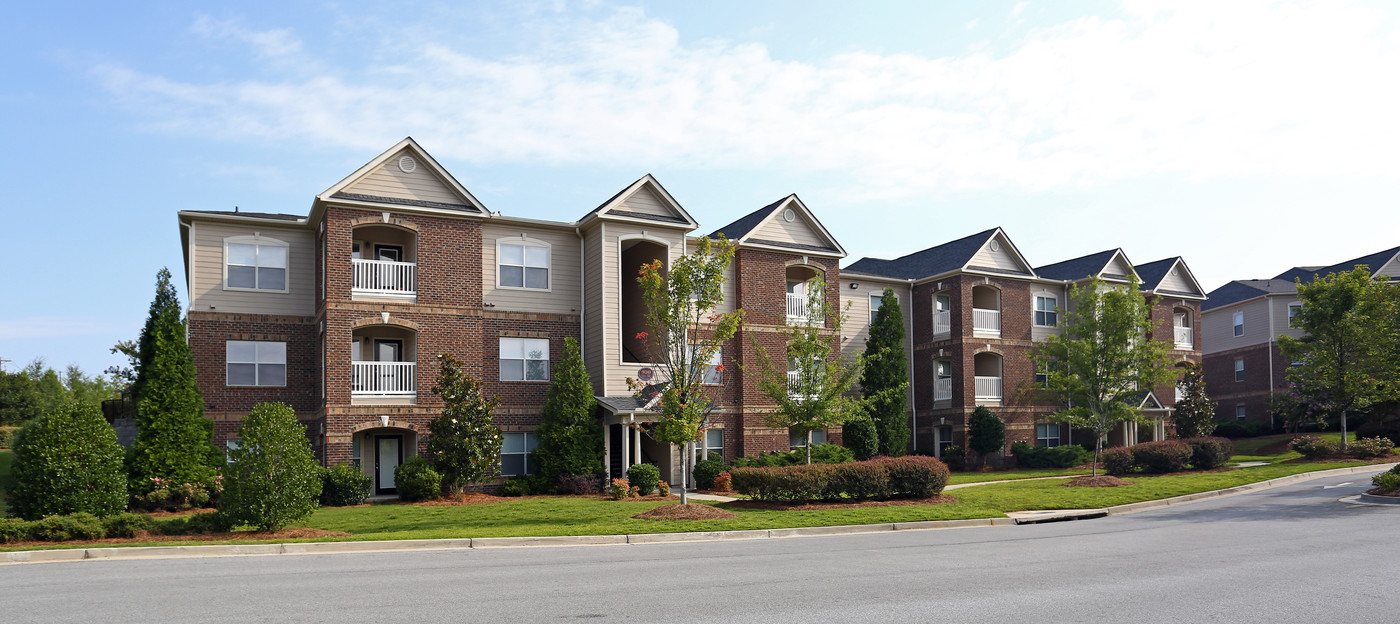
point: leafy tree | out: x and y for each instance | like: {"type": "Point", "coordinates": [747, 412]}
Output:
{"type": "Point", "coordinates": [818, 395]}
{"type": "Point", "coordinates": [463, 444]}
{"type": "Point", "coordinates": [886, 376]}
{"type": "Point", "coordinates": [1194, 412]}
{"type": "Point", "coordinates": [48, 388]}
{"type": "Point", "coordinates": [1103, 359]}
{"type": "Point", "coordinates": [174, 440]}
{"type": "Point", "coordinates": [679, 303]}
{"type": "Point", "coordinates": [1293, 411]}
{"type": "Point", "coordinates": [273, 479]}
{"type": "Point", "coordinates": [68, 461]}
{"type": "Point", "coordinates": [19, 401]}
{"type": "Point", "coordinates": [84, 388]}
{"type": "Point", "coordinates": [986, 434]}
{"type": "Point", "coordinates": [1349, 359]}
{"type": "Point", "coordinates": [860, 436]}
{"type": "Point", "coordinates": [571, 442]}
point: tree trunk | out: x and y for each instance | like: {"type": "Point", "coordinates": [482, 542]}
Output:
{"type": "Point", "coordinates": [809, 446]}
{"type": "Point", "coordinates": [685, 468]}
{"type": "Point", "coordinates": [1344, 431]}
{"type": "Point", "coordinates": [1098, 450]}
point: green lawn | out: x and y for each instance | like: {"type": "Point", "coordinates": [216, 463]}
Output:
{"type": "Point", "coordinates": [1248, 449]}
{"type": "Point", "coordinates": [959, 478]}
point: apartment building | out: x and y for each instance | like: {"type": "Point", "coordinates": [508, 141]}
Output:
{"type": "Point", "coordinates": [975, 309]}
{"type": "Point", "coordinates": [1242, 322]}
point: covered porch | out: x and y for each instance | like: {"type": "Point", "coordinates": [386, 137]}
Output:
{"type": "Point", "coordinates": [625, 444]}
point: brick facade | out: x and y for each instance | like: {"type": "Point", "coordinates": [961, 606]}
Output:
{"type": "Point", "coordinates": [1253, 392]}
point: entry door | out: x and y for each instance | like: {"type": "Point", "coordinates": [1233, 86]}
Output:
{"type": "Point", "coordinates": [388, 454]}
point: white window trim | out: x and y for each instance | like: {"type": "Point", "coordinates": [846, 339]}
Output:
{"type": "Point", "coordinates": [286, 370]}
{"type": "Point", "coordinates": [1059, 439]}
{"type": "Point", "coordinates": [258, 239]}
{"type": "Point", "coordinates": [1239, 369]}
{"type": "Point", "coordinates": [1054, 308]}
{"type": "Point", "coordinates": [524, 368]}
{"type": "Point", "coordinates": [1240, 412]}
{"type": "Point", "coordinates": [703, 448]}
{"type": "Point", "coordinates": [716, 360]}
{"type": "Point", "coordinates": [803, 439]}
{"type": "Point", "coordinates": [874, 309]}
{"type": "Point", "coordinates": [1240, 324]}
{"type": "Point", "coordinates": [1289, 312]}
{"type": "Point", "coordinates": [523, 241]}
{"type": "Point", "coordinates": [527, 435]}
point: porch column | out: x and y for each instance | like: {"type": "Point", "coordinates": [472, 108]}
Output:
{"type": "Point", "coordinates": [637, 438]}
{"type": "Point", "coordinates": [607, 451]}
{"type": "Point", "coordinates": [626, 450]}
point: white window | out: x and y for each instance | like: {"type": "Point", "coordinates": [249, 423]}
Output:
{"type": "Point", "coordinates": [1042, 375]}
{"type": "Point", "coordinates": [713, 372]}
{"type": "Point", "coordinates": [1239, 412]}
{"type": "Point", "coordinates": [798, 439]}
{"type": "Point", "coordinates": [523, 264]}
{"type": "Point", "coordinates": [229, 447]}
{"type": "Point", "coordinates": [524, 359]}
{"type": "Point", "coordinates": [1047, 434]}
{"type": "Point", "coordinates": [256, 363]}
{"type": "Point", "coordinates": [515, 453]}
{"type": "Point", "coordinates": [1239, 370]}
{"type": "Point", "coordinates": [255, 264]}
{"type": "Point", "coordinates": [1045, 315]}
{"type": "Point", "coordinates": [1294, 309]}
{"type": "Point", "coordinates": [1239, 323]}
{"type": "Point", "coordinates": [875, 302]}
{"type": "Point", "coordinates": [713, 444]}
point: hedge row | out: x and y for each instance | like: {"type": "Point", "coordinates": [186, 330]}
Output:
{"type": "Point", "coordinates": [1169, 456]}
{"type": "Point", "coordinates": [85, 526]}
{"type": "Point", "coordinates": [881, 478]}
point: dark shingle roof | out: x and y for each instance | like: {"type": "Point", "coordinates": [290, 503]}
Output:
{"type": "Point", "coordinates": [378, 199]}
{"type": "Point", "coordinates": [1240, 290]}
{"type": "Point", "coordinates": [1373, 261]}
{"type": "Point", "coordinates": [1299, 272]}
{"type": "Point", "coordinates": [253, 215]}
{"type": "Point", "coordinates": [949, 256]}
{"type": "Point", "coordinates": [625, 403]}
{"type": "Point", "coordinates": [1077, 268]}
{"type": "Point", "coordinates": [748, 222]}
{"type": "Point", "coordinates": [1152, 273]}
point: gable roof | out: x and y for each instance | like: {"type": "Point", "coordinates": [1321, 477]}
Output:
{"type": "Point", "coordinates": [615, 206]}
{"type": "Point", "coordinates": [1242, 290]}
{"type": "Point", "coordinates": [746, 224]}
{"type": "Point", "coordinates": [1156, 276]}
{"type": "Point", "coordinates": [1084, 267]}
{"type": "Point", "coordinates": [1299, 272]}
{"type": "Point", "coordinates": [338, 191]}
{"type": "Point", "coordinates": [1374, 262]}
{"type": "Point", "coordinates": [950, 256]}
{"type": "Point", "coordinates": [748, 229]}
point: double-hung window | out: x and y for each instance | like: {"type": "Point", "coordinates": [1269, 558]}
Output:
{"type": "Point", "coordinates": [1239, 323]}
{"type": "Point", "coordinates": [1047, 434]}
{"type": "Point", "coordinates": [712, 370]}
{"type": "Point", "coordinates": [523, 264]}
{"type": "Point", "coordinates": [255, 264]}
{"type": "Point", "coordinates": [515, 453]}
{"type": "Point", "coordinates": [798, 439]}
{"type": "Point", "coordinates": [1294, 309]}
{"type": "Point", "coordinates": [524, 359]}
{"type": "Point", "coordinates": [1239, 370]}
{"type": "Point", "coordinates": [875, 302]}
{"type": "Point", "coordinates": [1045, 315]}
{"type": "Point", "coordinates": [712, 445]}
{"type": "Point", "coordinates": [1239, 412]}
{"type": "Point", "coordinates": [255, 363]}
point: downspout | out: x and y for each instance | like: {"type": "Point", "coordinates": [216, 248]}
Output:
{"type": "Point", "coordinates": [913, 394]}
{"type": "Point", "coordinates": [582, 287]}
{"type": "Point", "coordinates": [1269, 307]}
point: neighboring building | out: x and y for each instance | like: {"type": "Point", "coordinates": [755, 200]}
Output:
{"type": "Point", "coordinates": [978, 309]}
{"type": "Point", "coordinates": [342, 313]}
{"type": "Point", "coordinates": [1242, 322]}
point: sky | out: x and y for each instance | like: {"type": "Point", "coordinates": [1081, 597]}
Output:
{"type": "Point", "coordinates": [1246, 136]}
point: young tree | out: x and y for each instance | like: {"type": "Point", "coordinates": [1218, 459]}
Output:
{"type": "Point", "coordinates": [812, 385]}
{"type": "Point", "coordinates": [273, 479]}
{"type": "Point", "coordinates": [1350, 357]}
{"type": "Point", "coordinates": [19, 401]}
{"type": "Point", "coordinates": [174, 438]}
{"type": "Point", "coordinates": [47, 385]}
{"type": "Point", "coordinates": [1194, 412]}
{"type": "Point", "coordinates": [463, 442]}
{"type": "Point", "coordinates": [886, 376]}
{"type": "Point", "coordinates": [1104, 359]}
{"type": "Point", "coordinates": [571, 441]}
{"type": "Point", "coordinates": [68, 461]}
{"type": "Point", "coordinates": [685, 336]}
{"type": "Point", "coordinates": [986, 434]}
{"type": "Point", "coordinates": [1290, 409]}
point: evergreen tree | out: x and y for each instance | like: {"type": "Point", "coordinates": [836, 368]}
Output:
{"type": "Point", "coordinates": [886, 376]}
{"type": "Point", "coordinates": [68, 461]}
{"type": "Point", "coordinates": [860, 436]}
{"type": "Point", "coordinates": [986, 434]}
{"type": "Point", "coordinates": [570, 438]}
{"type": "Point", "coordinates": [19, 401]}
{"type": "Point", "coordinates": [463, 444]}
{"type": "Point", "coordinates": [1194, 412]}
{"type": "Point", "coordinates": [174, 440]}
{"type": "Point", "coordinates": [273, 479]}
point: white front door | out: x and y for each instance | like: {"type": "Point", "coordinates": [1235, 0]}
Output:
{"type": "Point", "coordinates": [388, 454]}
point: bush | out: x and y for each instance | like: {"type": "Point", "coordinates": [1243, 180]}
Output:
{"type": "Point", "coordinates": [1118, 460]}
{"type": "Point", "coordinates": [208, 522]}
{"type": "Point", "coordinates": [916, 477]}
{"type": "Point", "coordinates": [1366, 448]}
{"type": "Point", "coordinates": [1313, 447]}
{"type": "Point", "coordinates": [705, 473]}
{"type": "Point", "coordinates": [1163, 456]}
{"type": "Point", "coordinates": [166, 495]}
{"type": "Point", "coordinates": [1240, 428]}
{"type": "Point", "coordinates": [643, 477]}
{"type": "Point", "coordinates": [14, 530]}
{"type": "Point", "coordinates": [68, 461]}
{"type": "Point", "coordinates": [724, 482]}
{"type": "Point", "coordinates": [861, 437]}
{"type": "Point", "coordinates": [1377, 427]}
{"type": "Point", "coordinates": [525, 485]}
{"type": "Point", "coordinates": [7, 436]}
{"type": "Point", "coordinates": [273, 479]}
{"type": "Point", "coordinates": [579, 484]}
{"type": "Point", "coordinates": [909, 477]}
{"type": "Point", "coordinates": [663, 488]}
{"type": "Point", "coordinates": [78, 526]}
{"type": "Point", "coordinates": [1387, 482]}
{"type": "Point", "coordinates": [344, 485]}
{"type": "Point", "coordinates": [821, 454]}
{"type": "Point", "coordinates": [986, 434]}
{"type": "Point", "coordinates": [861, 480]}
{"type": "Point", "coordinates": [955, 457]}
{"type": "Point", "coordinates": [620, 489]}
{"type": "Point", "coordinates": [416, 480]}
{"type": "Point", "coordinates": [1210, 453]}
{"type": "Point", "coordinates": [1066, 456]}
{"type": "Point", "coordinates": [128, 525]}
{"type": "Point", "coordinates": [787, 483]}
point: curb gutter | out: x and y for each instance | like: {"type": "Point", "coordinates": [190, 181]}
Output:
{"type": "Point", "coordinates": [309, 548]}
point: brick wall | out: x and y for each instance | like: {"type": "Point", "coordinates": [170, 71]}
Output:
{"type": "Point", "coordinates": [1253, 392]}
{"type": "Point", "coordinates": [209, 331]}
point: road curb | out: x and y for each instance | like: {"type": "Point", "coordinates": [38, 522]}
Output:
{"type": "Point", "coordinates": [1240, 489]}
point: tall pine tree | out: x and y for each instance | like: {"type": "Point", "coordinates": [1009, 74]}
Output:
{"type": "Point", "coordinates": [174, 439]}
{"type": "Point", "coordinates": [571, 438]}
{"type": "Point", "coordinates": [886, 377]}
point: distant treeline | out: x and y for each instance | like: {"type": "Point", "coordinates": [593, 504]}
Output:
{"type": "Point", "coordinates": [38, 389]}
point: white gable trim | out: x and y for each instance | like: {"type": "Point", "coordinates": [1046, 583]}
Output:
{"type": "Point", "coordinates": [1118, 254]}
{"type": "Point", "coordinates": [648, 180]}
{"type": "Point", "coordinates": [795, 202]}
{"type": "Point", "coordinates": [1150, 402]}
{"type": "Point", "coordinates": [1377, 272]}
{"type": "Point", "coordinates": [423, 156]}
{"type": "Point", "coordinates": [1191, 277]}
{"type": "Point", "coordinates": [1015, 253]}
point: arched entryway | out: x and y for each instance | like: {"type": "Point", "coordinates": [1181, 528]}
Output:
{"type": "Point", "coordinates": [380, 447]}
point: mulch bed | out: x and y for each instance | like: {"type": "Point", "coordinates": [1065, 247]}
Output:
{"type": "Point", "coordinates": [822, 505]}
{"type": "Point", "coordinates": [284, 534]}
{"type": "Point", "coordinates": [1099, 481]}
{"type": "Point", "coordinates": [688, 511]}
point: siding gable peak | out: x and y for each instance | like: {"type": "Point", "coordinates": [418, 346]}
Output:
{"type": "Point", "coordinates": [405, 175]}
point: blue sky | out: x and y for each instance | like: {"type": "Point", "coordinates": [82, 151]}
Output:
{"type": "Point", "coordinates": [1246, 136]}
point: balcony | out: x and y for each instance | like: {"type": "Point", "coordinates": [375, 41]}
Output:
{"type": "Point", "coordinates": [986, 322]}
{"type": "Point", "coordinates": [987, 388]}
{"type": "Point", "coordinates": [794, 378]}
{"type": "Point", "coordinates": [1183, 338]}
{"type": "Point", "coordinates": [943, 389]}
{"type": "Point", "coordinates": [942, 322]}
{"type": "Point", "coordinates": [385, 278]}
{"type": "Point", "coordinates": [797, 310]}
{"type": "Point", "coordinates": [383, 379]}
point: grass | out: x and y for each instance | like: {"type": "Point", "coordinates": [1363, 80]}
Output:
{"type": "Point", "coordinates": [959, 478]}
{"type": "Point", "coordinates": [1248, 449]}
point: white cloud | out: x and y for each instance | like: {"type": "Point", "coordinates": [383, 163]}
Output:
{"type": "Point", "coordinates": [56, 327]}
{"type": "Point", "coordinates": [1204, 91]}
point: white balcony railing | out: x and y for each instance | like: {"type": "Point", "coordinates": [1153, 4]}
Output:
{"type": "Point", "coordinates": [943, 389]}
{"type": "Point", "coordinates": [1180, 392]}
{"type": "Point", "coordinates": [1183, 337]}
{"type": "Point", "coordinates": [383, 378]}
{"type": "Point", "coordinates": [797, 309]}
{"type": "Point", "coordinates": [942, 322]}
{"type": "Point", "coordinates": [986, 321]}
{"type": "Point", "coordinates": [987, 388]}
{"type": "Point", "coordinates": [792, 379]}
{"type": "Point", "coordinates": [385, 277]}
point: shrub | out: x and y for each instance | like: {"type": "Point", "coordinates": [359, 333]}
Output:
{"type": "Point", "coordinates": [955, 457]}
{"type": "Point", "coordinates": [570, 440]}
{"type": "Point", "coordinates": [68, 461]}
{"type": "Point", "coordinates": [1376, 427]}
{"type": "Point", "coordinates": [861, 480]}
{"type": "Point", "coordinates": [209, 522]}
{"type": "Point", "coordinates": [1366, 448]}
{"type": "Point", "coordinates": [1066, 456]}
{"type": "Point", "coordinates": [663, 488]}
{"type": "Point", "coordinates": [167, 495]}
{"type": "Point", "coordinates": [416, 480]}
{"type": "Point", "coordinates": [1210, 453]}
{"type": "Point", "coordinates": [821, 454]}
{"type": "Point", "coordinates": [861, 437]}
{"type": "Point", "coordinates": [986, 434]}
{"type": "Point", "coordinates": [620, 489]}
{"type": "Point", "coordinates": [273, 479]}
{"type": "Point", "coordinates": [579, 484]}
{"type": "Point", "coordinates": [1118, 460]}
{"type": "Point", "coordinates": [344, 485]}
{"type": "Point", "coordinates": [1162, 456]}
{"type": "Point", "coordinates": [14, 530]}
{"type": "Point", "coordinates": [643, 477]}
{"type": "Point", "coordinates": [705, 473]}
{"type": "Point", "coordinates": [788, 483]}
{"type": "Point", "coordinates": [7, 436]}
{"type": "Point", "coordinates": [1312, 447]}
{"type": "Point", "coordinates": [518, 485]}
{"type": "Point", "coordinates": [128, 525]}
{"type": "Point", "coordinates": [724, 482]}
{"type": "Point", "coordinates": [1240, 428]}
{"type": "Point", "coordinates": [916, 477]}
{"type": "Point", "coordinates": [77, 526]}
{"type": "Point", "coordinates": [1387, 482]}
{"type": "Point", "coordinates": [910, 476]}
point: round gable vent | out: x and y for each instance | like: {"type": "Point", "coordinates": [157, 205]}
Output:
{"type": "Point", "coordinates": [789, 215]}
{"type": "Point", "coordinates": [996, 246]}
{"type": "Point", "coordinates": [407, 164]}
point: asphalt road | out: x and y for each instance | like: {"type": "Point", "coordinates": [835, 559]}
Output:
{"type": "Point", "coordinates": [1290, 554]}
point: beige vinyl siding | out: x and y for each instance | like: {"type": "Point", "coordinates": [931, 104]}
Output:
{"type": "Point", "coordinates": [800, 231]}
{"type": "Point", "coordinates": [1390, 269]}
{"type": "Point", "coordinates": [727, 289]}
{"type": "Point", "coordinates": [564, 271]}
{"type": "Point", "coordinates": [646, 201]}
{"type": "Point", "coordinates": [208, 270]}
{"type": "Point", "coordinates": [1217, 327]}
{"type": "Point", "coordinates": [1279, 308]}
{"type": "Point", "coordinates": [1039, 333]}
{"type": "Point", "coordinates": [1178, 282]}
{"type": "Point", "coordinates": [1118, 267]}
{"type": "Point", "coordinates": [612, 273]}
{"type": "Point", "coordinates": [856, 303]}
{"type": "Point", "coordinates": [593, 305]}
{"type": "Point", "coordinates": [388, 180]}
{"type": "Point", "coordinates": [999, 259]}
